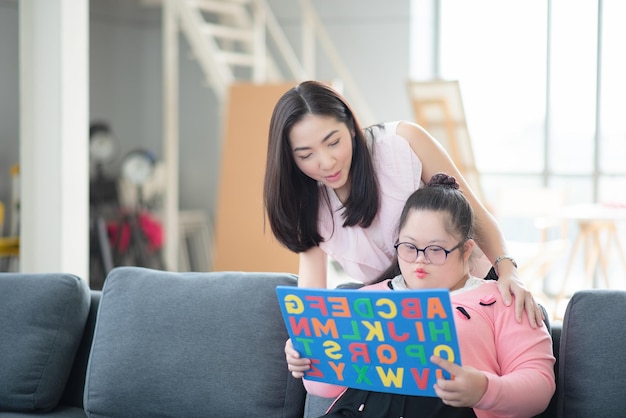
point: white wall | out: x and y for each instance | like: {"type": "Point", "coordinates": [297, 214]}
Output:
{"type": "Point", "coordinates": [373, 39]}
{"type": "Point", "coordinates": [125, 80]}
{"type": "Point", "coordinates": [126, 91]}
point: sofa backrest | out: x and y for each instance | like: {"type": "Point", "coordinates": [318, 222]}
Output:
{"type": "Point", "coordinates": [192, 345]}
{"type": "Point", "coordinates": [73, 394]}
{"type": "Point", "coordinates": [592, 363]}
{"type": "Point", "coordinates": [42, 317]}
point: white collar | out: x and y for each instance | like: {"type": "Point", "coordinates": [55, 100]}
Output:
{"type": "Point", "coordinates": [398, 283]}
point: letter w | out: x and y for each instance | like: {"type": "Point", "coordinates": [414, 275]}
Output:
{"type": "Point", "coordinates": [389, 378]}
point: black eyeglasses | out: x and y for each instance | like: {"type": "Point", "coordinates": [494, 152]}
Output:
{"type": "Point", "coordinates": [434, 254]}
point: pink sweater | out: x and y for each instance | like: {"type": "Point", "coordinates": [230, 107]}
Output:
{"type": "Point", "coordinates": [516, 358]}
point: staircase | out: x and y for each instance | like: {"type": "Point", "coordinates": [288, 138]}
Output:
{"type": "Point", "coordinates": [231, 40]}
{"type": "Point", "coordinates": [241, 40]}
{"type": "Point", "coordinates": [236, 41]}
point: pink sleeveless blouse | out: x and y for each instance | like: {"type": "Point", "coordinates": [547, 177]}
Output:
{"type": "Point", "coordinates": [365, 253]}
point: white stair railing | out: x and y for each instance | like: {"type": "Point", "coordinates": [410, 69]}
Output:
{"type": "Point", "coordinates": [315, 27]}
{"type": "Point", "coordinates": [205, 48]}
{"type": "Point", "coordinates": [296, 70]}
{"type": "Point", "coordinates": [230, 39]}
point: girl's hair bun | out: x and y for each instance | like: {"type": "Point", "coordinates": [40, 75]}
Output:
{"type": "Point", "coordinates": [444, 180]}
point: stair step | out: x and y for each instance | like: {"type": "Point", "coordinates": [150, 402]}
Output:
{"type": "Point", "coordinates": [233, 7]}
{"type": "Point", "coordinates": [228, 32]}
{"type": "Point", "coordinates": [237, 58]}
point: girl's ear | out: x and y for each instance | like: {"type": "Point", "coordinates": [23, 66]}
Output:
{"type": "Point", "coordinates": [468, 248]}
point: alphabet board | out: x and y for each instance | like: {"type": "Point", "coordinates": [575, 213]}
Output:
{"type": "Point", "coordinates": [369, 339]}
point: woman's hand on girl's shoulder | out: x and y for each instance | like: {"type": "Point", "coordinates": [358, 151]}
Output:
{"type": "Point", "coordinates": [510, 284]}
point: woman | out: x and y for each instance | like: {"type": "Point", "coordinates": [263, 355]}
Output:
{"type": "Point", "coordinates": [508, 369]}
{"type": "Point", "coordinates": [333, 189]}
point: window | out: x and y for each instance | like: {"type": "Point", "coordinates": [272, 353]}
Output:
{"type": "Point", "coordinates": [543, 84]}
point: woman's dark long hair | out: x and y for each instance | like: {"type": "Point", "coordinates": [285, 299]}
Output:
{"type": "Point", "coordinates": [441, 194]}
{"type": "Point", "coordinates": [291, 198]}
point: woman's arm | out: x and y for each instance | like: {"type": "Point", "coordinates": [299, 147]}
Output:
{"type": "Point", "coordinates": [489, 237]}
{"type": "Point", "coordinates": [312, 269]}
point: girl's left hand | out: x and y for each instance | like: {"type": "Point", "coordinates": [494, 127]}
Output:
{"type": "Point", "coordinates": [467, 388]}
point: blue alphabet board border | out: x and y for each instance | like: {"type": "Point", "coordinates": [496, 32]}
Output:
{"type": "Point", "coordinates": [373, 340]}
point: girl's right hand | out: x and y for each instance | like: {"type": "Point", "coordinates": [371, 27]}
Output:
{"type": "Point", "coordinates": [296, 365]}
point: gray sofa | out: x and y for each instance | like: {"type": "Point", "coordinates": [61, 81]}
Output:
{"type": "Point", "coordinates": [162, 344]}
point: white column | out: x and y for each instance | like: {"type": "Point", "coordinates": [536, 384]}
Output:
{"type": "Point", "coordinates": [170, 132]}
{"type": "Point", "coordinates": [54, 131]}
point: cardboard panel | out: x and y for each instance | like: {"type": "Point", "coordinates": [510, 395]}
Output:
{"type": "Point", "coordinates": [243, 238]}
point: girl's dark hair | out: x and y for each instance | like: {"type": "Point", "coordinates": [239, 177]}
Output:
{"type": "Point", "coordinates": [291, 198]}
{"type": "Point", "coordinates": [441, 194]}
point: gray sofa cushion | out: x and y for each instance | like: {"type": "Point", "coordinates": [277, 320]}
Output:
{"type": "Point", "coordinates": [42, 317]}
{"type": "Point", "coordinates": [58, 412]}
{"type": "Point", "coordinates": [591, 358]}
{"type": "Point", "coordinates": [190, 345]}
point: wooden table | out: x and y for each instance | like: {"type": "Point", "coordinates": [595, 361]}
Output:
{"type": "Point", "coordinates": [594, 221]}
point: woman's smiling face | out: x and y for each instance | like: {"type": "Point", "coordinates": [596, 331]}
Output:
{"type": "Point", "coordinates": [322, 149]}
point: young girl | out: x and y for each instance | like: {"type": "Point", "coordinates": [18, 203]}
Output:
{"type": "Point", "coordinates": [508, 368]}
{"type": "Point", "coordinates": [334, 189]}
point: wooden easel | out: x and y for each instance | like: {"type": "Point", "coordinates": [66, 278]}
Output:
{"type": "Point", "coordinates": [439, 109]}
